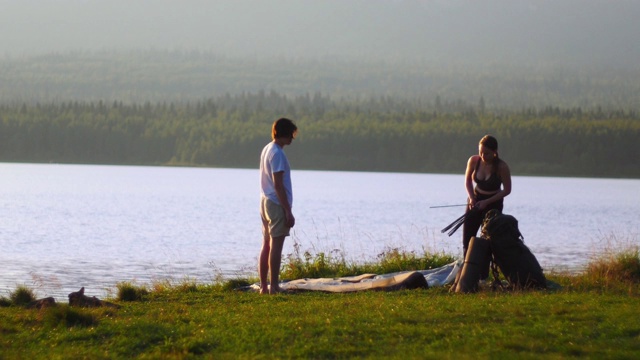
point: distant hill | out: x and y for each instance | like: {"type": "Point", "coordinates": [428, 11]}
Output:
{"type": "Point", "coordinates": [504, 53]}
{"type": "Point", "coordinates": [191, 76]}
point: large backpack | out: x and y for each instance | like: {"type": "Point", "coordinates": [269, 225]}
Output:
{"type": "Point", "coordinates": [510, 254]}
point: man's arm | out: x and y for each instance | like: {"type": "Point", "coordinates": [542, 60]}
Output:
{"type": "Point", "coordinates": [281, 193]}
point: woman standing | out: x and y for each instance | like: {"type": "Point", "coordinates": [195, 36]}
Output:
{"type": "Point", "coordinates": [492, 179]}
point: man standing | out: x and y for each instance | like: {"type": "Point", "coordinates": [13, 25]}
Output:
{"type": "Point", "coordinates": [275, 203]}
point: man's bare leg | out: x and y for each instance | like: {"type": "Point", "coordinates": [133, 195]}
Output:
{"type": "Point", "coordinates": [263, 261]}
{"type": "Point", "coordinates": [275, 258]}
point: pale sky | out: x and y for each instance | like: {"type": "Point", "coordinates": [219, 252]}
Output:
{"type": "Point", "coordinates": [600, 31]}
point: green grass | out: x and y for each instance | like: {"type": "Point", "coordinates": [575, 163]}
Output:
{"type": "Point", "coordinates": [592, 314]}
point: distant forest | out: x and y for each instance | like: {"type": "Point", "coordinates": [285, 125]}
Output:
{"type": "Point", "coordinates": [198, 109]}
{"type": "Point", "coordinates": [380, 134]}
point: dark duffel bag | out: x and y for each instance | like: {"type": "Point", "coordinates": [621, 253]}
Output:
{"type": "Point", "coordinates": [514, 259]}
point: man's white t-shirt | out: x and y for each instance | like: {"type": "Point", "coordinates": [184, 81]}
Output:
{"type": "Point", "coordinates": [273, 160]}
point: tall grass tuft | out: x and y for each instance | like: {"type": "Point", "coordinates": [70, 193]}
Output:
{"type": "Point", "coordinates": [130, 292]}
{"type": "Point", "coordinates": [613, 267]}
{"type": "Point", "coordinates": [22, 295]}
{"type": "Point", "coordinates": [187, 285]}
{"type": "Point", "coordinates": [396, 259]}
{"type": "Point", "coordinates": [301, 264]}
{"type": "Point", "coordinates": [234, 284]}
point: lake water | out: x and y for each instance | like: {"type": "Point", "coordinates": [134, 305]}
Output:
{"type": "Point", "coordinates": [68, 226]}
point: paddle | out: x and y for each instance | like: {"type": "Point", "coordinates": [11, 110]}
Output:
{"type": "Point", "coordinates": [444, 206]}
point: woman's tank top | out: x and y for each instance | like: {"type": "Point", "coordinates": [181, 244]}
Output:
{"type": "Point", "coordinates": [493, 183]}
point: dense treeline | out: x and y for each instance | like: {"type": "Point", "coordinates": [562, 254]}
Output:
{"type": "Point", "coordinates": [377, 134]}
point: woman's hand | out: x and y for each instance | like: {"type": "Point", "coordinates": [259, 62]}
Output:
{"type": "Point", "coordinates": [472, 203]}
{"type": "Point", "coordinates": [481, 205]}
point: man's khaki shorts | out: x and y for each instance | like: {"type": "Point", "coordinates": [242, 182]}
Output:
{"type": "Point", "coordinates": [275, 216]}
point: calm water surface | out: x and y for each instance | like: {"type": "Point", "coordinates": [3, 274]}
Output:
{"type": "Point", "coordinates": [67, 226]}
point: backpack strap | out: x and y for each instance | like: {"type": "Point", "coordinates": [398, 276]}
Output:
{"type": "Point", "coordinates": [496, 284]}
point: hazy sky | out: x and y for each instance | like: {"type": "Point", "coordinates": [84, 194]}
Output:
{"type": "Point", "coordinates": [600, 31]}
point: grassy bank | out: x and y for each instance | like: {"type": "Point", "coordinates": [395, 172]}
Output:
{"type": "Point", "coordinates": [592, 314]}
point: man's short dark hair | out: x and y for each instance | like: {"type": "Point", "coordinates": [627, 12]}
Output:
{"type": "Point", "coordinates": [283, 127]}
